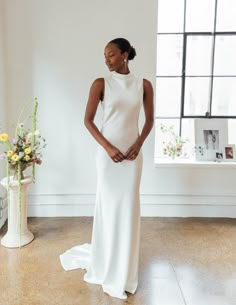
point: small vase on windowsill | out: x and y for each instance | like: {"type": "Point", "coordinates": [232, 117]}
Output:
{"type": "Point", "coordinates": [173, 151]}
{"type": "Point", "coordinates": [18, 233]}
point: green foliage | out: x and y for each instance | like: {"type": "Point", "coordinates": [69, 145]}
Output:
{"type": "Point", "coordinates": [174, 146]}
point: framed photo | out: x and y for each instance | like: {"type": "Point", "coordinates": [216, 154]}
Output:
{"type": "Point", "coordinates": [211, 136]}
{"type": "Point", "coordinates": [229, 152]}
{"type": "Point", "coordinates": [219, 156]}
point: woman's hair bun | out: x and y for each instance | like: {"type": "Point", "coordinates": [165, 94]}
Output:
{"type": "Point", "coordinates": [132, 53]}
{"type": "Point", "coordinates": [124, 45]}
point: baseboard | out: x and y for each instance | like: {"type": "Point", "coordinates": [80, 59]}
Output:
{"type": "Point", "coordinates": [3, 213]}
{"type": "Point", "coordinates": [162, 205]}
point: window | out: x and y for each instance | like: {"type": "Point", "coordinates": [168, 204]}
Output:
{"type": "Point", "coordinates": [196, 66]}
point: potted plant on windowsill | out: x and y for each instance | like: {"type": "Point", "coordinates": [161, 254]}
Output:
{"type": "Point", "coordinates": [23, 151]}
{"type": "Point", "coordinates": [173, 147]}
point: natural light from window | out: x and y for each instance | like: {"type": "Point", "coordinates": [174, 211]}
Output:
{"type": "Point", "coordinates": [196, 69]}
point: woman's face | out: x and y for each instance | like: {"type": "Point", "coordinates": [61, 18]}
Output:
{"type": "Point", "coordinates": [113, 58]}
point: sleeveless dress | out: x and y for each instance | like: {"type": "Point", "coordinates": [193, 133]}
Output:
{"type": "Point", "coordinates": [112, 258]}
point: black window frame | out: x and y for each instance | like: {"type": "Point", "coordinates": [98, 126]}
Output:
{"type": "Point", "coordinates": [211, 76]}
{"type": "Point", "coordinates": [183, 76]}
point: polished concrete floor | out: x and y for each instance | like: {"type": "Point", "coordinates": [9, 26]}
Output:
{"type": "Point", "coordinates": [184, 261]}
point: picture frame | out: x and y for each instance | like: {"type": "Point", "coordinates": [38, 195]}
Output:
{"type": "Point", "coordinates": [219, 156]}
{"type": "Point", "coordinates": [229, 153]}
{"type": "Point", "coordinates": [211, 136]}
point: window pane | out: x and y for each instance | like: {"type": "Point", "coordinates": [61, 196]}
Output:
{"type": "Point", "coordinates": [163, 137]}
{"type": "Point", "coordinates": [225, 58]}
{"type": "Point", "coordinates": [168, 97]}
{"type": "Point", "coordinates": [170, 16]}
{"type": "Point", "coordinates": [231, 131]}
{"type": "Point", "coordinates": [198, 55]}
{"type": "Point", "coordinates": [169, 55]}
{"type": "Point", "coordinates": [224, 96]}
{"type": "Point", "coordinates": [200, 15]}
{"type": "Point", "coordinates": [188, 131]}
{"type": "Point", "coordinates": [197, 96]}
{"type": "Point", "coordinates": [226, 12]}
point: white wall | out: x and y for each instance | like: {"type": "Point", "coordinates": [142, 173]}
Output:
{"type": "Point", "coordinates": [2, 113]}
{"type": "Point", "coordinates": [2, 85]}
{"type": "Point", "coordinates": [55, 51]}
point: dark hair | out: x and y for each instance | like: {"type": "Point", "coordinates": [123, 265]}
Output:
{"type": "Point", "coordinates": [124, 45]}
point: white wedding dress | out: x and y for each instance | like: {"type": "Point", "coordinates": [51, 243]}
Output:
{"type": "Point", "coordinates": [112, 258]}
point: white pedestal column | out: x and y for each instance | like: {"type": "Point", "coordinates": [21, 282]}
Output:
{"type": "Point", "coordinates": [17, 236]}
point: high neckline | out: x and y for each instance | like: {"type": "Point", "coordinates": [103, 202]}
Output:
{"type": "Point", "coordinates": [122, 76]}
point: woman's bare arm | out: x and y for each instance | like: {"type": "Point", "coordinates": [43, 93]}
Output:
{"type": "Point", "coordinates": [133, 151]}
{"type": "Point", "coordinates": [95, 96]}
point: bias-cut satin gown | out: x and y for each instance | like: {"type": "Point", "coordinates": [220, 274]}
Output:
{"type": "Point", "coordinates": [112, 258]}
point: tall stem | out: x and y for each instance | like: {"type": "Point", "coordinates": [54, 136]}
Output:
{"type": "Point", "coordinates": [19, 197]}
{"type": "Point", "coordinates": [34, 130]}
{"type": "Point", "coordinates": [8, 182]}
{"type": "Point", "coordinates": [18, 120]}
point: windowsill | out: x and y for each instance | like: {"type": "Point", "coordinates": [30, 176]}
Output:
{"type": "Point", "coordinates": [182, 162]}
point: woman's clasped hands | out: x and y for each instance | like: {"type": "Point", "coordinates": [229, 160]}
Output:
{"type": "Point", "coordinates": [117, 156]}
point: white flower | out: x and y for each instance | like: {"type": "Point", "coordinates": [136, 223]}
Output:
{"type": "Point", "coordinates": [37, 133]}
{"type": "Point", "coordinates": [21, 154]}
{"type": "Point", "coordinates": [21, 125]}
{"type": "Point", "coordinates": [29, 135]}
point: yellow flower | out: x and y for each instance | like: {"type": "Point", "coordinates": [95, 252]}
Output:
{"type": "Point", "coordinates": [10, 153]}
{"type": "Point", "coordinates": [27, 151]}
{"type": "Point", "coordinates": [15, 157]}
{"type": "Point", "coordinates": [27, 158]}
{"type": "Point", "coordinates": [4, 137]}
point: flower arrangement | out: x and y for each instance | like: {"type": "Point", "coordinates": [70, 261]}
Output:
{"type": "Point", "coordinates": [174, 146]}
{"type": "Point", "coordinates": [22, 151]}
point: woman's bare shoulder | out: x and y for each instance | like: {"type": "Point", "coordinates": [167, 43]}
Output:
{"type": "Point", "coordinates": [98, 83]}
{"type": "Point", "coordinates": [147, 83]}
{"type": "Point", "coordinates": [97, 88]}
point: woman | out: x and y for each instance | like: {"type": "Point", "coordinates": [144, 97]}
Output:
{"type": "Point", "coordinates": [112, 258]}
